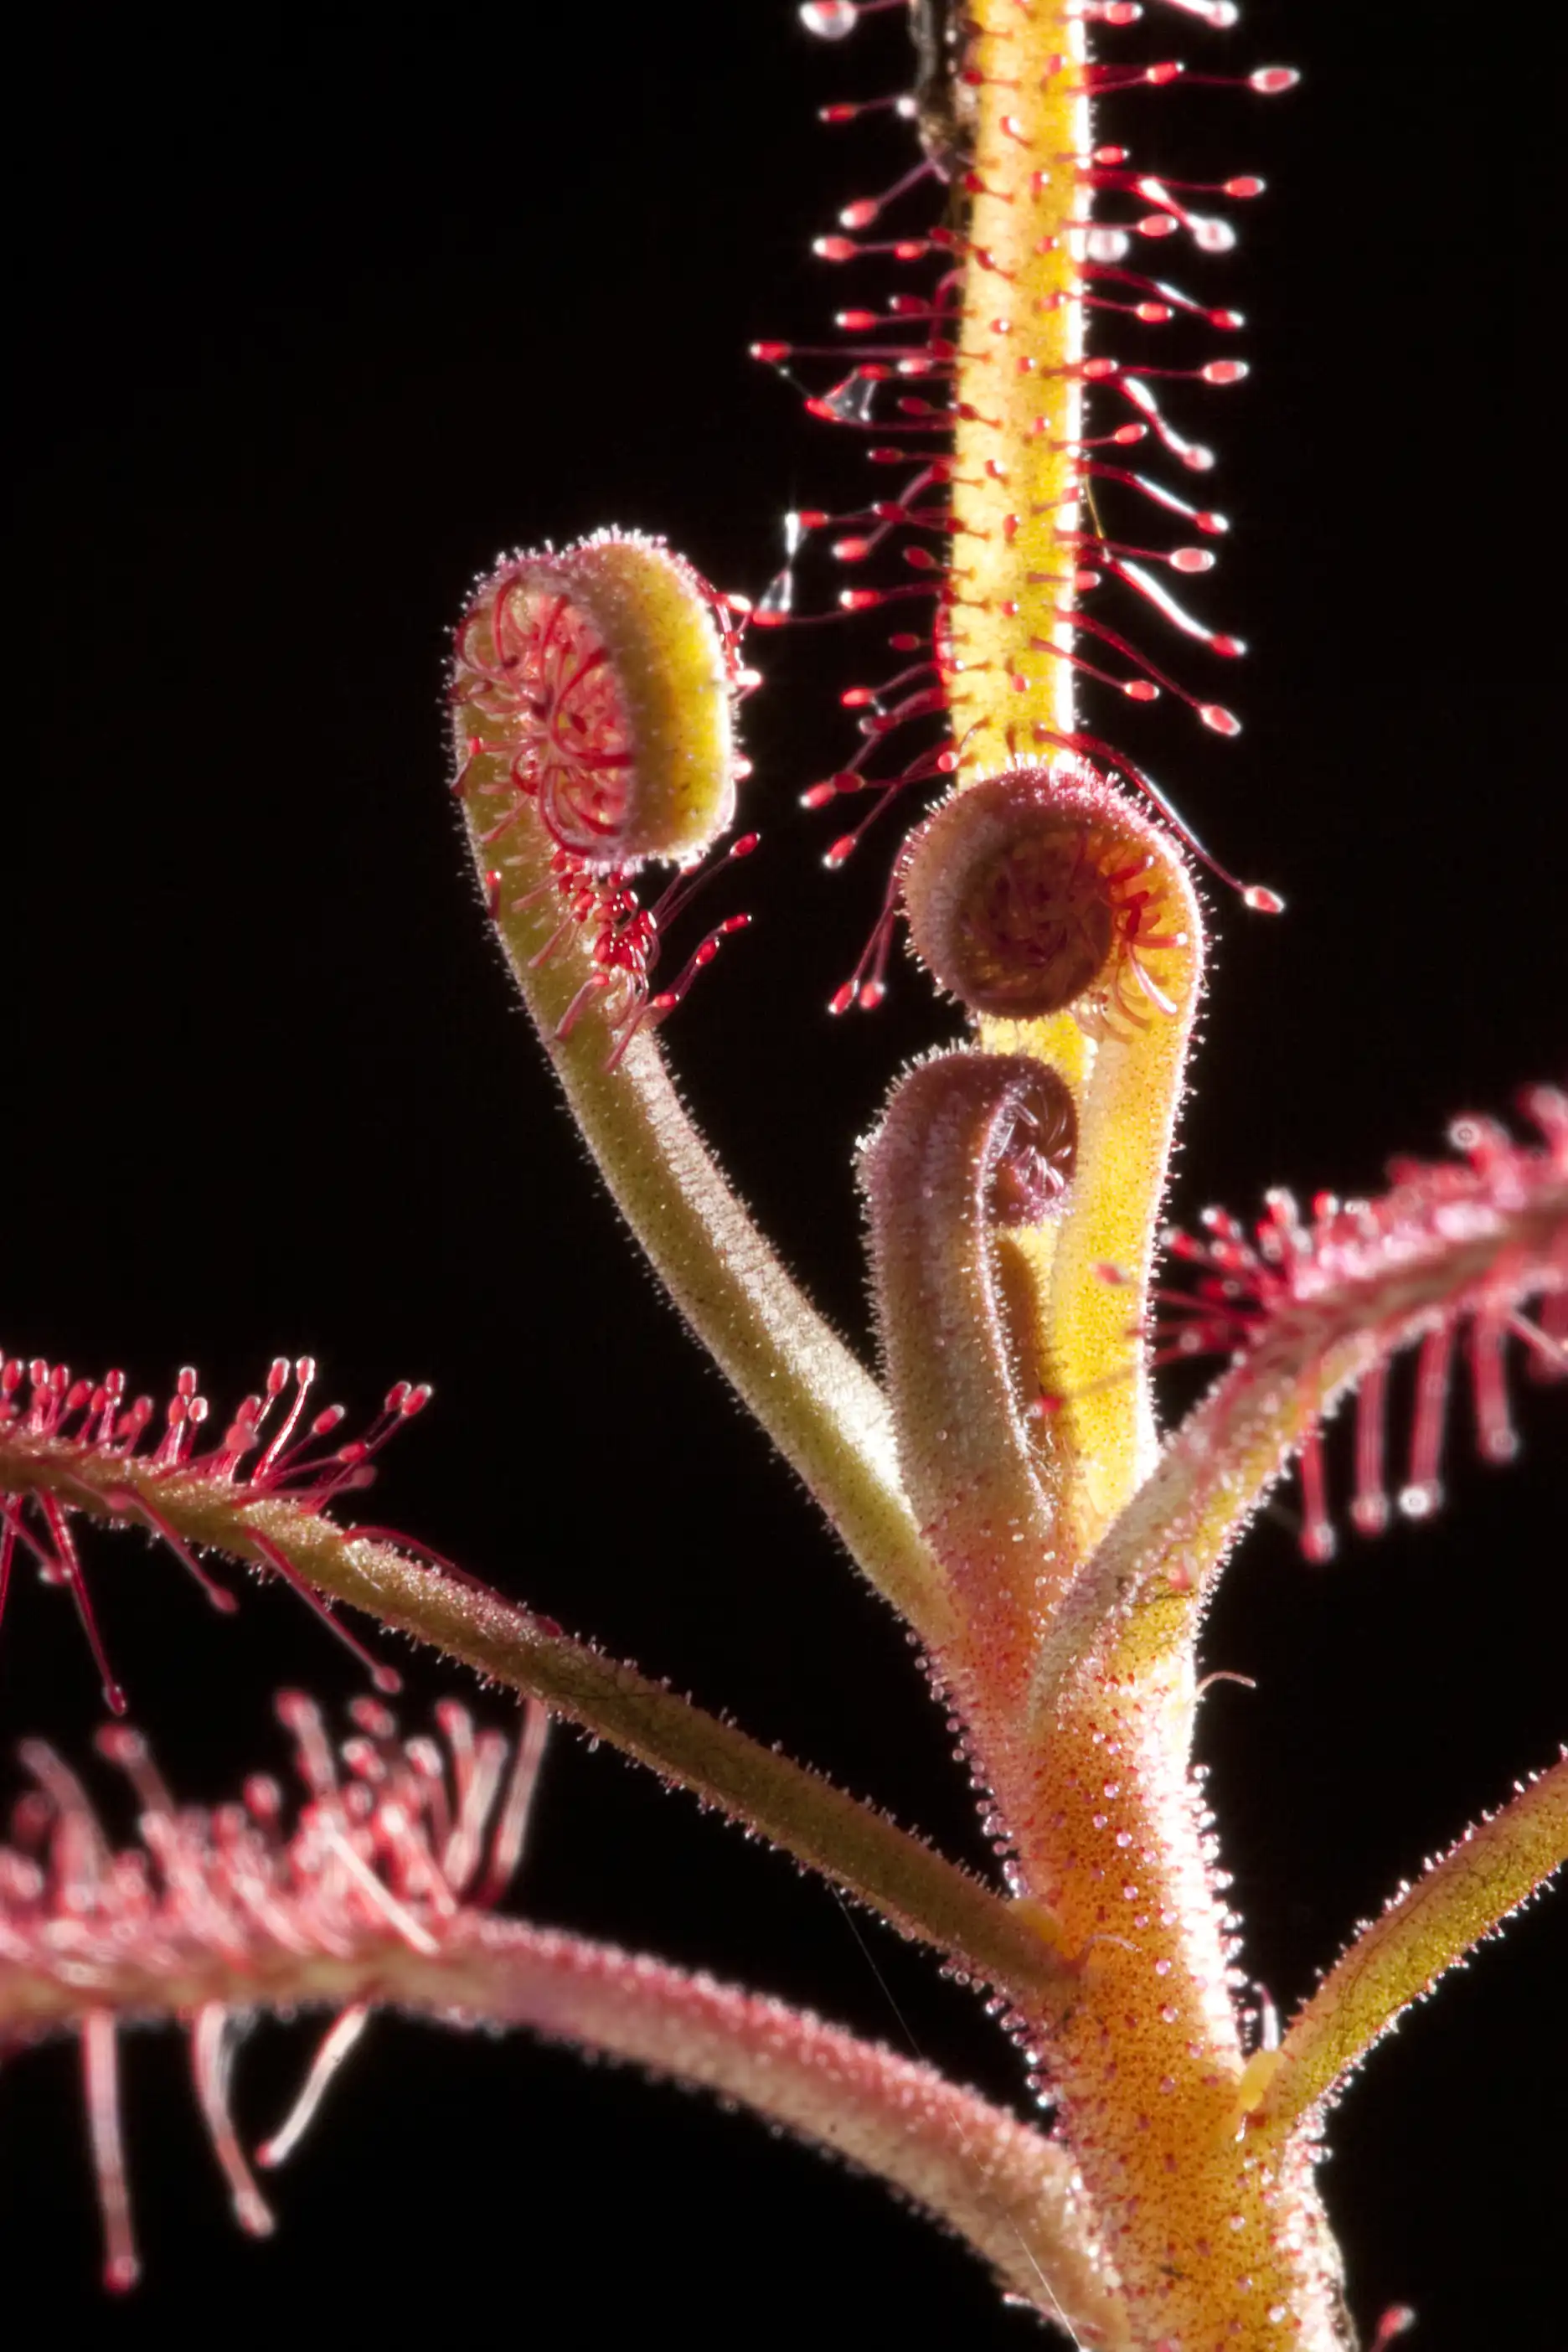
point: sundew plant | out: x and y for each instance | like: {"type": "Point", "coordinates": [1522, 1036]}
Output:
{"type": "Point", "coordinates": [901, 895]}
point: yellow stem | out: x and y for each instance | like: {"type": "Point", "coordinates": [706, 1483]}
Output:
{"type": "Point", "coordinates": [1020, 402]}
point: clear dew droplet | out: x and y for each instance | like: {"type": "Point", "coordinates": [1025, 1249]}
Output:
{"type": "Point", "coordinates": [850, 403]}
{"type": "Point", "coordinates": [831, 20]}
{"type": "Point", "coordinates": [777, 598]}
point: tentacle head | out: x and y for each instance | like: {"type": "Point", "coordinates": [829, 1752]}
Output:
{"type": "Point", "coordinates": [1043, 889]}
{"type": "Point", "coordinates": [600, 682]}
{"type": "Point", "coordinates": [1036, 1155]}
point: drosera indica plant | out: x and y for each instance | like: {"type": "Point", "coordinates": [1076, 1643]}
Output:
{"type": "Point", "coordinates": [1003, 1482]}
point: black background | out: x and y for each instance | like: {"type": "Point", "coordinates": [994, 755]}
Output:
{"type": "Point", "coordinates": [320, 309]}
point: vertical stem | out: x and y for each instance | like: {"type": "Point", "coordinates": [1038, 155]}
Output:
{"type": "Point", "coordinates": [1020, 399]}
{"type": "Point", "coordinates": [1219, 2245]}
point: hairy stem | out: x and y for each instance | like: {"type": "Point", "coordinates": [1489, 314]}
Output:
{"type": "Point", "coordinates": [1091, 1298]}
{"type": "Point", "coordinates": [1000, 2184]}
{"type": "Point", "coordinates": [1020, 393]}
{"type": "Point", "coordinates": [1440, 1247]}
{"type": "Point", "coordinates": [816, 1402]}
{"type": "Point", "coordinates": [941, 1282]}
{"type": "Point", "coordinates": [1428, 1928]}
{"type": "Point", "coordinates": [916, 1890]}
